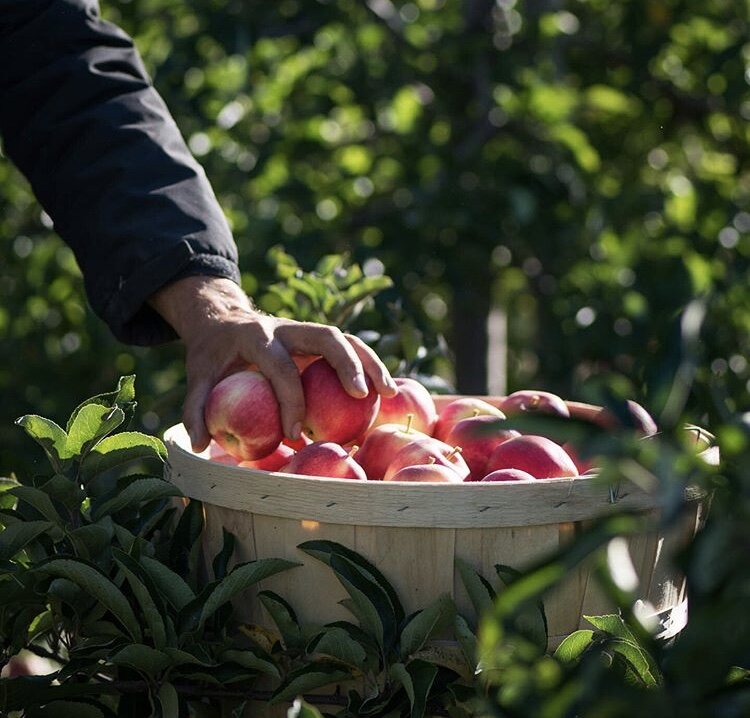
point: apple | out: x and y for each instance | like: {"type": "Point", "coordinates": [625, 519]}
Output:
{"type": "Point", "coordinates": [219, 456]}
{"type": "Point", "coordinates": [242, 415]}
{"type": "Point", "coordinates": [421, 451]}
{"type": "Point", "coordinates": [539, 456]}
{"type": "Point", "coordinates": [509, 475]}
{"type": "Point", "coordinates": [531, 400]}
{"type": "Point", "coordinates": [411, 398]}
{"type": "Point", "coordinates": [325, 458]}
{"type": "Point", "coordinates": [426, 473]}
{"type": "Point", "coordinates": [331, 414]}
{"type": "Point", "coordinates": [380, 445]}
{"type": "Point", "coordinates": [478, 436]}
{"type": "Point", "coordinates": [584, 466]}
{"type": "Point", "coordinates": [297, 444]}
{"type": "Point", "coordinates": [273, 462]}
{"type": "Point", "coordinates": [462, 409]}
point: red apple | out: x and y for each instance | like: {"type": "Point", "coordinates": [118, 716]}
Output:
{"type": "Point", "coordinates": [380, 445]}
{"type": "Point", "coordinates": [478, 436]}
{"type": "Point", "coordinates": [462, 409]}
{"type": "Point", "coordinates": [297, 444]}
{"type": "Point", "coordinates": [274, 461]}
{"type": "Point", "coordinates": [242, 415]}
{"type": "Point", "coordinates": [584, 466]}
{"type": "Point", "coordinates": [509, 475]}
{"type": "Point", "coordinates": [539, 456]}
{"type": "Point", "coordinates": [421, 451]}
{"type": "Point", "coordinates": [531, 400]}
{"type": "Point", "coordinates": [331, 414]}
{"type": "Point", "coordinates": [219, 456]}
{"type": "Point", "coordinates": [325, 458]}
{"type": "Point", "coordinates": [427, 473]}
{"type": "Point", "coordinates": [411, 399]}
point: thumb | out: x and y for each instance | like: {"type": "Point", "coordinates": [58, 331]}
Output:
{"type": "Point", "coordinates": [192, 414]}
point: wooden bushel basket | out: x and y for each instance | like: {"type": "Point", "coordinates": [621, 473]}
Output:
{"type": "Point", "coordinates": [414, 532]}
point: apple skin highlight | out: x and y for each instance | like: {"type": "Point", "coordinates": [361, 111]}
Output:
{"type": "Point", "coordinates": [242, 415]}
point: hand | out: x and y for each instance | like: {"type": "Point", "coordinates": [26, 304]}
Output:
{"type": "Point", "coordinates": [223, 332]}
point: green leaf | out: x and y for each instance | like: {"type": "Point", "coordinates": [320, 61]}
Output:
{"type": "Point", "coordinates": [636, 657]}
{"type": "Point", "coordinates": [480, 592]}
{"type": "Point", "coordinates": [142, 658]}
{"type": "Point", "coordinates": [153, 614]}
{"type": "Point", "coordinates": [92, 423]}
{"type": "Point", "coordinates": [531, 618]}
{"type": "Point", "coordinates": [466, 639]}
{"type": "Point", "coordinates": [185, 537]}
{"type": "Point", "coordinates": [221, 560]}
{"type": "Point", "coordinates": [368, 603]}
{"type": "Point", "coordinates": [254, 660]}
{"type": "Point", "coordinates": [139, 492]}
{"type": "Point", "coordinates": [324, 550]}
{"type": "Point", "coordinates": [123, 397]}
{"type": "Point", "coordinates": [308, 678]}
{"type": "Point", "coordinates": [37, 499]}
{"type": "Point", "coordinates": [240, 579]}
{"type": "Point", "coordinates": [19, 535]}
{"type": "Point", "coordinates": [572, 647]}
{"type": "Point", "coordinates": [170, 585]}
{"type": "Point", "coordinates": [169, 701]}
{"type": "Point", "coordinates": [424, 623]}
{"type": "Point", "coordinates": [417, 679]}
{"type": "Point", "coordinates": [284, 617]}
{"type": "Point", "coordinates": [51, 437]}
{"type": "Point", "coordinates": [119, 449]}
{"type": "Point", "coordinates": [613, 625]}
{"type": "Point", "coordinates": [92, 540]}
{"type": "Point", "coordinates": [94, 583]}
{"type": "Point", "coordinates": [335, 642]}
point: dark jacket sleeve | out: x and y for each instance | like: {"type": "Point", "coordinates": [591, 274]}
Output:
{"type": "Point", "coordinates": [81, 120]}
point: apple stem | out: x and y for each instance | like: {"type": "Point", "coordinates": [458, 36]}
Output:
{"type": "Point", "coordinates": [409, 420]}
{"type": "Point", "coordinates": [455, 450]}
{"type": "Point", "coordinates": [475, 413]}
{"type": "Point", "coordinates": [535, 400]}
{"type": "Point", "coordinates": [430, 459]}
{"type": "Point", "coordinates": [353, 450]}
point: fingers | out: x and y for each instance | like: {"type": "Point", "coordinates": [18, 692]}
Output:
{"type": "Point", "coordinates": [330, 343]}
{"type": "Point", "coordinates": [373, 367]}
{"type": "Point", "coordinates": [192, 412]}
{"type": "Point", "coordinates": [275, 363]}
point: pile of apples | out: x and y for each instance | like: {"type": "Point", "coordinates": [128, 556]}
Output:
{"type": "Point", "coordinates": [398, 438]}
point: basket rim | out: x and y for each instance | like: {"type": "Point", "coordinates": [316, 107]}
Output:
{"type": "Point", "coordinates": [402, 504]}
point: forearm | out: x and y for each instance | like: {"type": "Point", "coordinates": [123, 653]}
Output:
{"type": "Point", "coordinates": [79, 117]}
{"type": "Point", "coordinates": [191, 304]}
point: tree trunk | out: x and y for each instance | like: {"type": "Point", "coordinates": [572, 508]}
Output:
{"type": "Point", "coordinates": [470, 308]}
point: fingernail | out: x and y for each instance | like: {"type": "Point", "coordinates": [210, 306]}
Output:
{"type": "Point", "coordinates": [193, 437]}
{"type": "Point", "coordinates": [296, 431]}
{"type": "Point", "coordinates": [360, 384]}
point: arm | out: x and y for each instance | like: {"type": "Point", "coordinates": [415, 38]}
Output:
{"type": "Point", "coordinates": [81, 120]}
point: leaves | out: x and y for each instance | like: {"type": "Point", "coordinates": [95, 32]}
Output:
{"type": "Point", "coordinates": [240, 579]}
{"type": "Point", "coordinates": [51, 437]}
{"type": "Point", "coordinates": [425, 623]}
{"type": "Point", "coordinates": [136, 493]}
{"type": "Point", "coordinates": [96, 584]}
{"type": "Point", "coordinates": [572, 647]}
{"type": "Point", "coordinates": [123, 448]}
{"type": "Point", "coordinates": [417, 678]}
{"type": "Point", "coordinates": [17, 536]}
{"type": "Point", "coordinates": [308, 678]}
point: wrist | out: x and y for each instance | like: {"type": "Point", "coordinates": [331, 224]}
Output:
{"type": "Point", "coordinates": [191, 303]}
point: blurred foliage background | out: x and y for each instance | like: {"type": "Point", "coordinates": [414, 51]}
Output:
{"type": "Point", "coordinates": [577, 168]}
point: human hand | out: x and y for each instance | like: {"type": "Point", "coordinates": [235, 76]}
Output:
{"type": "Point", "coordinates": [222, 332]}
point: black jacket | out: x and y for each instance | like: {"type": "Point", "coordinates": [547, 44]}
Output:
{"type": "Point", "coordinates": [81, 120]}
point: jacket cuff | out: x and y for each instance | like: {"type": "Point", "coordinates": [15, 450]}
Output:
{"type": "Point", "coordinates": [127, 311]}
